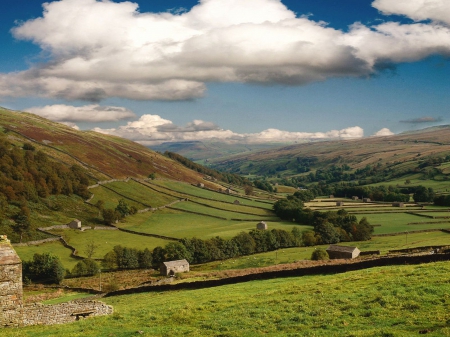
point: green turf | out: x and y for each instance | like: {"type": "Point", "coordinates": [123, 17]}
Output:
{"type": "Point", "coordinates": [174, 223]}
{"type": "Point", "coordinates": [398, 222]}
{"type": "Point", "coordinates": [236, 208]}
{"type": "Point", "coordinates": [141, 193]}
{"type": "Point", "coordinates": [389, 301]}
{"type": "Point", "coordinates": [204, 193]}
{"type": "Point", "coordinates": [189, 206]}
{"type": "Point", "coordinates": [111, 198]}
{"type": "Point", "coordinates": [56, 248]}
{"type": "Point", "coordinates": [107, 239]}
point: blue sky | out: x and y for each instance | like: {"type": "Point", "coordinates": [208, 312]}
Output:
{"type": "Point", "coordinates": [254, 70]}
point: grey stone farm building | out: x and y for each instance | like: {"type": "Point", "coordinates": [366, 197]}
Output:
{"type": "Point", "coordinates": [262, 226]}
{"type": "Point", "coordinates": [75, 224]}
{"type": "Point", "coordinates": [339, 203]}
{"type": "Point", "coordinates": [170, 268]}
{"type": "Point", "coordinates": [342, 252]}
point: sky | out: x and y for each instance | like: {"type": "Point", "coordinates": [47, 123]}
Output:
{"type": "Point", "coordinates": [232, 70]}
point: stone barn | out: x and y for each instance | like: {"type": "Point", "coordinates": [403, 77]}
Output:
{"type": "Point", "coordinates": [75, 224]}
{"type": "Point", "coordinates": [228, 191]}
{"type": "Point", "coordinates": [262, 226]}
{"type": "Point", "coordinates": [201, 185]}
{"type": "Point", "coordinates": [331, 196]}
{"type": "Point", "coordinates": [366, 200]}
{"type": "Point", "coordinates": [172, 267]}
{"type": "Point", "coordinates": [342, 252]}
{"type": "Point", "coordinates": [237, 202]}
{"type": "Point", "coordinates": [355, 197]}
{"type": "Point", "coordinates": [398, 204]}
{"type": "Point", "coordinates": [11, 296]}
{"type": "Point", "coordinates": [339, 203]}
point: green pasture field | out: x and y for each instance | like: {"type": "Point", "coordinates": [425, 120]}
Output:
{"type": "Point", "coordinates": [180, 225]}
{"type": "Point", "coordinates": [398, 222]}
{"type": "Point", "coordinates": [203, 193]}
{"type": "Point", "coordinates": [141, 193]}
{"type": "Point", "coordinates": [56, 248]}
{"type": "Point", "coordinates": [106, 240]}
{"type": "Point", "coordinates": [189, 206]}
{"type": "Point", "coordinates": [60, 210]}
{"type": "Point", "coordinates": [392, 301]}
{"type": "Point", "coordinates": [237, 208]}
{"type": "Point", "coordinates": [437, 185]}
{"type": "Point", "coordinates": [290, 255]}
{"type": "Point", "coordinates": [110, 198]}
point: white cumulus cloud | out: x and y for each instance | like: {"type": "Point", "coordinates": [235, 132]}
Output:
{"type": "Point", "coordinates": [383, 132]}
{"type": "Point", "coordinates": [152, 129]}
{"type": "Point", "coordinates": [101, 49]}
{"type": "Point", "coordinates": [87, 113]}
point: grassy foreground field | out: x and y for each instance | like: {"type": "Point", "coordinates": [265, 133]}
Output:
{"type": "Point", "coordinates": [388, 301]}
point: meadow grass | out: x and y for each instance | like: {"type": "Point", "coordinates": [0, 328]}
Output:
{"type": "Point", "coordinates": [398, 222]}
{"type": "Point", "coordinates": [203, 193]}
{"type": "Point", "coordinates": [178, 224]}
{"type": "Point", "coordinates": [106, 240]}
{"type": "Point", "coordinates": [221, 213]}
{"type": "Point", "coordinates": [392, 301]}
{"type": "Point", "coordinates": [56, 248]}
{"type": "Point", "coordinates": [236, 208]}
{"type": "Point", "coordinates": [111, 198]}
{"type": "Point", "coordinates": [141, 193]}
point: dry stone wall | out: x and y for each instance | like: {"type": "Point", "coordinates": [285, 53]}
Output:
{"type": "Point", "coordinates": [39, 314]}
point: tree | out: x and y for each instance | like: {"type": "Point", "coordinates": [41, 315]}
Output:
{"type": "Point", "coordinates": [319, 254]}
{"type": "Point", "coordinates": [152, 176]}
{"type": "Point", "coordinates": [327, 232]}
{"type": "Point", "coordinates": [90, 249]}
{"type": "Point", "coordinates": [110, 260]}
{"type": "Point", "coordinates": [86, 267]}
{"type": "Point", "coordinates": [110, 216]}
{"type": "Point", "coordinates": [145, 259]}
{"type": "Point", "coordinates": [122, 208]}
{"type": "Point", "coordinates": [177, 251]}
{"type": "Point", "coordinates": [248, 189]}
{"type": "Point", "coordinates": [309, 238]}
{"type": "Point", "coordinates": [45, 268]}
{"type": "Point", "coordinates": [22, 222]}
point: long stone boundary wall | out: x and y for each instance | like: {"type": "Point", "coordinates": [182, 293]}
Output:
{"type": "Point", "coordinates": [35, 243]}
{"type": "Point", "coordinates": [147, 234]}
{"type": "Point", "coordinates": [39, 314]}
{"type": "Point", "coordinates": [410, 232]}
{"type": "Point", "coordinates": [316, 270]}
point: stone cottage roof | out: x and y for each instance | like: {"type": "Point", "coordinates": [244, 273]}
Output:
{"type": "Point", "coordinates": [344, 249]}
{"type": "Point", "coordinates": [8, 255]}
{"type": "Point", "coordinates": [171, 264]}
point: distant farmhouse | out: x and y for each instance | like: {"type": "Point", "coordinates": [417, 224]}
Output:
{"type": "Point", "coordinates": [398, 204]}
{"type": "Point", "coordinates": [342, 252]}
{"type": "Point", "coordinates": [237, 202]}
{"type": "Point", "coordinates": [339, 203]}
{"type": "Point", "coordinates": [172, 267]}
{"type": "Point", "coordinates": [75, 224]}
{"type": "Point", "coordinates": [262, 226]}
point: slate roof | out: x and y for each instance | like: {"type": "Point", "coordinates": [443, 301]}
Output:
{"type": "Point", "coordinates": [175, 263]}
{"type": "Point", "coordinates": [8, 255]}
{"type": "Point", "coordinates": [346, 249]}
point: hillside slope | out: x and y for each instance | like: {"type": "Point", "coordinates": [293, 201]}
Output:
{"type": "Point", "coordinates": [104, 156]}
{"type": "Point", "coordinates": [408, 149]}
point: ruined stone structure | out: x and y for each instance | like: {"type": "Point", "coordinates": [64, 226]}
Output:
{"type": "Point", "coordinates": [172, 267]}
{"type": "Point", "coordinates": [13, 313]}
{"type": "Point", "coordinates": [10, 285]}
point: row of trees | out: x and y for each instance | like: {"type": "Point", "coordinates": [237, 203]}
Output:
{"type": "Point", "coordinates": [200, 251]}
{"type": "Point", "coordinates": [329, 227]}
